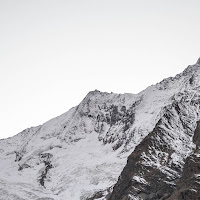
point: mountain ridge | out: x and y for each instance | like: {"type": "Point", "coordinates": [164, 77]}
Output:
{"type": "Point", "coordinates": [96, 91]}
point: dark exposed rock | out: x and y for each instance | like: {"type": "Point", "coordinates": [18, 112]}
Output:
{"type": "Point", "coordinates": [46, 159]}
{"type": "Point", "coordinates": [100, 194]}
{"type": "Point", "coordinates": [196, 138]}
{"type": "Point", "coordinates": [142, 178]}
{"type": "Point", "coordinates": [118, 144]}
{"type": "Point", "coordinates": [96, 196]}
{"type": "Point", "coordinates": [188, 187]}
{"type": "Point", "coordinates": [114, 116]}
{"type": "Point", "coordinates": [19, 156]}
{"type": "Point", "coordinates": [123, 109]}
{"type": "Point", "coordinates": [23, 166]}
{"type": "Point", "coordinates": [127, 186]}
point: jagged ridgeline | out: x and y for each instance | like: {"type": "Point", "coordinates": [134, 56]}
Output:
{"type": "Point", "coordinates": [142, 146]}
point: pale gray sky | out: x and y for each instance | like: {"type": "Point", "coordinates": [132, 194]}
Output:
{"type": "Point", "coordinates": [52, 53]}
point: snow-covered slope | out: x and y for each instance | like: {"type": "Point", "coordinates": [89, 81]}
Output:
{"type": "Point", "coordinates": [80, 154]}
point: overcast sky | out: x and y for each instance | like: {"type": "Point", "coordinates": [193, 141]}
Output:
{"type": "Point", "coordinates": [52, 53]}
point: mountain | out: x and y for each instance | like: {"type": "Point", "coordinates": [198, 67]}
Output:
{"type": "Point", "coordinates": [112, 146]}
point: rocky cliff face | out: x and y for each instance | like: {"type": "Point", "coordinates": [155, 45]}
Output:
{"type": "Point", "coordinates": [188, 186]}
{"type": "Point", "coordinates": [161, 160]}
{"type": "Point", "coordinates": [165, 165]}
{"type": "Point", "coordinates": [112, 146]}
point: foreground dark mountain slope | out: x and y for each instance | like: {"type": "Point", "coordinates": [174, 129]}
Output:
{"type": "Point", "coordinates": [80, 154]}
{"type": "Point", "coordinates": [188, 186]}
{"type": "Point", "coordinates": [166, 164]}
{"type": "Point", "coordinates": [158, 162]}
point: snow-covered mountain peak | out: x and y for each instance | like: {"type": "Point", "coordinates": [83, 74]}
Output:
{"type": "Point", "coordinates": [186, 80]}
{"type": "Point", "coordinates": [83, 151]}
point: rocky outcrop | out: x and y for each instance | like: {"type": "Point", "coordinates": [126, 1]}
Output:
{"type": "Point", "coordinates": [46, 159]}
{"type": "Point", "coordinates": [23, 166]}
{"type": "Point", "coordinates": [18, 155]}
{"type": "Point", "coordinates": [111, 117]}
{"type": "Point", "coordinates": [188, 186]}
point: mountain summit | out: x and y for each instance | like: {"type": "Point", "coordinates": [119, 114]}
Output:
{"type": "Point", "coordinates": [112, 146]}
